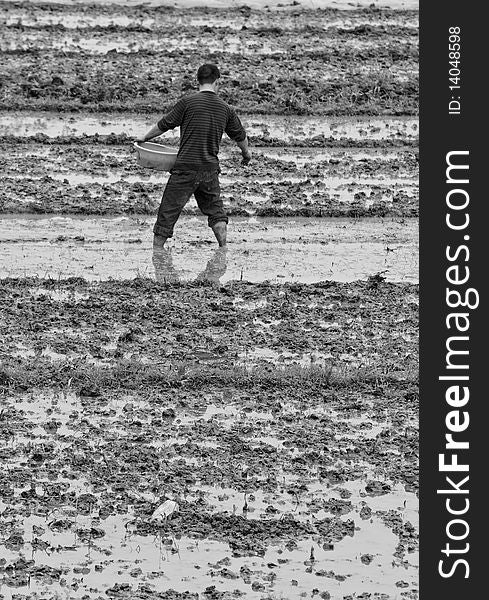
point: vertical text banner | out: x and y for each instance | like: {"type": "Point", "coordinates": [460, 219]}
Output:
{"type": "Point", "coordinates": [454, 330]}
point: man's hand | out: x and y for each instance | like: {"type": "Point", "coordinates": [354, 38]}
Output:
{"type": "Point", "coordinates": [152, 133]}
{"type": "Point", "coordinates": [246, 157]}
{"type": "Point", "coordinates": [245, 151]}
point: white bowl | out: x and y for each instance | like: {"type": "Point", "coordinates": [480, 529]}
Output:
{"type": "Point", "coordinates": [155, 156]}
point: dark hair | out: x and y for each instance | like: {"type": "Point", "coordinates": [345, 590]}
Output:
{"type": "Point", "coordinates": [208, 73]}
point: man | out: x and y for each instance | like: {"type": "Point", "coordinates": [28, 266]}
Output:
{"type": "Point", "coordinates": [203, 117]}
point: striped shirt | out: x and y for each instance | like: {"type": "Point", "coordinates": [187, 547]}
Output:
{"type": "Point", "coordinates": [202, 117]}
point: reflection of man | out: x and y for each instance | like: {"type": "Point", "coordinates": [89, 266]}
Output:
{"type": "Point", "coordinates": [203, 117]}
{"type": "Point", "coordinates": [215, 268]}
{"type": "Point", "coordinates": [165, 272]}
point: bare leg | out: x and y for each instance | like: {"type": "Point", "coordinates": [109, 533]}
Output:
{"type": "Point", "coordinates": [220, 230]}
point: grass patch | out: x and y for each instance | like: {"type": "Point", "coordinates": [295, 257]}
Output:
{"type": "Point", "coordinates": [90, 380]}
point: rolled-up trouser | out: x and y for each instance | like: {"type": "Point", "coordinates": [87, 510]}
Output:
{"type": "Point", "coordinates": [180, 186]}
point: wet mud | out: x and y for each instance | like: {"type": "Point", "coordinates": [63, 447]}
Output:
{"type": "Point", "coordinates": [349, 65]}
{"type": "Point", "coordinates": [274, 130]}
{"type": "Point", "coordinates": [288, 478]}
{"type": "Point", "coordinates": [302, 167]}
{"type": "Point", "coordinates": [286, 196]}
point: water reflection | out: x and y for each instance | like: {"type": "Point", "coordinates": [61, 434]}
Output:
{"type": "Point", "coordinates": [215, 268]}
{"type": "Point", "coordinates": [165, 271]}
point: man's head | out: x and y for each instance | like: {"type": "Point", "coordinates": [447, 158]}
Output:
{"type": "Point", "coordinates": [208, 74]}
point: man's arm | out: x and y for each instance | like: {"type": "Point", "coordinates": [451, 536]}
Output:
{"type": "Point", "coordinates": [237, 133]}
{"type": "Point", "coordinates": [169, 121]}
{"type": "Point", "coordinates": [245, 151]}
{"type": "Point", "coordinates": [152, 133]}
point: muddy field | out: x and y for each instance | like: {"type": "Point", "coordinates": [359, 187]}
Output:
{"type": "Point", "coordinates": [307, 82]}
{"type": "Point", "coordinates": [280, 418]}
{"type": "Point", "coordinates": [312, 61]}
{"type": "Point", "coordinates": [199, 424]}
{"type": "Point", "coordinates": [302, 167]}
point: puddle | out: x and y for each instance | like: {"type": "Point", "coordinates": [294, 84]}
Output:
{"type": "Point", "coordinates": [254, 4]}
{"type": "Point", "coordinates": [40, 407]}
{"type": "Point", "coordinates": [255, 504]}
{"type": "Point", "coordinates": [71, 19]}
{"type": "Point", "coordinates": [332, 183]}
{"type": "Point", "coordinates": [252, 305]}
{"type": "Point", "coordinates": [17, 16]}
{"type": "Point", "coordinates": [283, 128]}
{"type": "Point", "coordinates": [251, 43]}
{"type": "Point", "coordinates": [305, 359]}
{"type": "Point", "coordinates": [74, 178]}
{"type": "Point", "coordinates": [234, 22]}
{"type": "Point", "coordinates": [369, 434]}
{"type": "Point", "coordinates": [67, 406]}
{"type": "Point", "coordinates": [164, 563]}
{"type": "Point", "coordinates": [59, 295]}
{"type": "Point", "coordinates": [266, 325]}
{"type": "Point", "coordinates": [103, 44]}
{"type": "Point", "coordinates": [179, 562]}
{"type": "Point", "coordinates": [226, 415]}
{"type": "Point", "coordinates": [259, 249]}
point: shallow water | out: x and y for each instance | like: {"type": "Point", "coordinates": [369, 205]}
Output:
{"type": "Point", "coordinates": [259, 249]}
{"type": "Point", "coordinates": [334, 184]}
{"type": "Point", "coordinates": [180, 562]}
{"type": "Point", "coordinates": [272, 4]}
{"type": "Point", "coordinates": [184, 563]}
{"type": "Point", "coordinates": [76, 21]}
{"type": "Point", "coordinates": [284, 128]}
{"type": "Point", "coordinates": [102, 43]}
